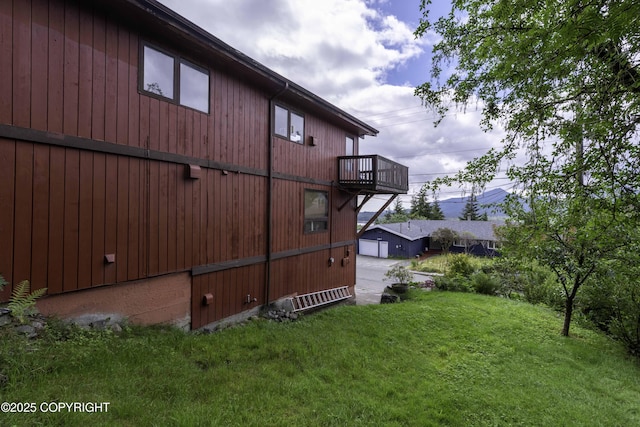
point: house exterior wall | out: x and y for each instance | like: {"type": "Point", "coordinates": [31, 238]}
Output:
{"type": "Point", "coordinates": [90, 166]}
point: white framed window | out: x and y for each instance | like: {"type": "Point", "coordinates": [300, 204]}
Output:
{"type": "Point", "coordinates": [316, 211]}
{"type": "Point", "coordinates": [174, 79]}
{"type": "Point", "coordinates": [288, 124]}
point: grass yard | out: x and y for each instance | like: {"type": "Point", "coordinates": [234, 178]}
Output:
{"type": "Point", "coordinates": [441, 358]}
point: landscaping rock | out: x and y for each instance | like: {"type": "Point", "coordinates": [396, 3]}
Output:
{"type": "Point", "coordinates": [388, 298]}
{"type": "Point", "coordinates": [5, 320]}
{"type": "Point", "coordinates": [27, 330]}
{"type": "Point", "coordinates": [281, 315]}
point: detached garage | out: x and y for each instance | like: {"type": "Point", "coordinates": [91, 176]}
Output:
{"type": "Point", "coordinates": [375, 248]}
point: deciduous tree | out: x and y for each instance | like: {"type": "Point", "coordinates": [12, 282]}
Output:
{"type": "Point", "coordinates": [562, 79]}
{"type": "Point", "coordinates": [445, 237]}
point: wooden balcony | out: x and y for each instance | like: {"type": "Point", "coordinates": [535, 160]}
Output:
{"type": "Point", "coordinates": [373, 174]}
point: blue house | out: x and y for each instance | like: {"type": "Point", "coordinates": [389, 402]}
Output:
{"type": "Point", "coordinates": [413, 238]}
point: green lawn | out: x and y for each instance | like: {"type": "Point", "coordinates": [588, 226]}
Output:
{"type": "Point", "coordinates": [439, 359]}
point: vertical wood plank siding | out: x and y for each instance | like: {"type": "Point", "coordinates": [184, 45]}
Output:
{"type": "Point", "coordinates": [69, 69]}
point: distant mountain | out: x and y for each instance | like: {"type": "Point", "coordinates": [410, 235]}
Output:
{"type": "Point", "coordinates": [452, 208]}
{"type": "Point", "coordinates": [487, 202]}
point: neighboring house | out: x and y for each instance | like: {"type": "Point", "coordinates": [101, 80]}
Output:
{"type": "Point", "coordinates": [149, 170]}
{"type": "Point", "coordinates": [413, 238]}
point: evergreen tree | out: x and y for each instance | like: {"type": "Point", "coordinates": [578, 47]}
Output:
{"type": "Point", "coordinates": [397, 214]}
{"type": "Point", "coordinates": [420, 207]}
{"type": "Point", "coordinates": [436, 211]}
{"type": "Point", "coordinates": [470, 211]}
{"type": "Point", "coordinates": [398, 209]}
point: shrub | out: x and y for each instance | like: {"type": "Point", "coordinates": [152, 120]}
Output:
{"type": "Point", "coordinates": [399, 274]}
{"type": "Point", "coordinates": [461, 265]}
{"type": "Point", "coordinates": [485, 284]}
{"type": "Point", "coordinates": [542, 287]}
{"type": "Point", "coordinates": [453, 284]}
{"type": "Point", "coordinates": [612, 302]}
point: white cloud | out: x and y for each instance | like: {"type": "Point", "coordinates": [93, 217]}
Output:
{"type": "Point", "coordinates": [343, 50]}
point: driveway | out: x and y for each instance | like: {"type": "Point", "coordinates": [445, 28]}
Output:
{"type": "Point", "coordinates": [370, 274]}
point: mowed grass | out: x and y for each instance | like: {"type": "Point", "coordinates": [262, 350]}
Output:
{"type": "Point", "coordinates": [438, 359]}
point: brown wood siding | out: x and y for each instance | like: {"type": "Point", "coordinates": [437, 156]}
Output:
{"type": "Point", "coordinates": [7, 200]}
{"type": "Point", "coordinates": [312, 272]}
{"type": "Point", "coordinates": [230, 289]}
{"type": "Point", "coordinates": [316, 162]}
{"type": "Point", "coordinates": [69, 69]}
{"type": "Point", "coordinates": [6, 61]}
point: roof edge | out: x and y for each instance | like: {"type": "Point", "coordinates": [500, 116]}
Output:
{"type": "Point", "coordinates": [180, 23]}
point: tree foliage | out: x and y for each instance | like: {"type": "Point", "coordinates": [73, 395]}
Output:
{"type": "Point", "coordinates": [445, 237]}
{"type": "Point", "coordinates": [436, 210]}
{"type": "Point", "coordinates": [562, 78]}
{"type": "Point", "coordinates": [470, 211]}
{"type": "Point", "coordinates": [420, 206]}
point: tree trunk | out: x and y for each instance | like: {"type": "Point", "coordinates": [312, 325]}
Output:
{"type": "Point", "coordinates": [568, 311]}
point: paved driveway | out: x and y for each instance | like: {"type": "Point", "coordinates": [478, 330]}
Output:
{"type": "Point", "coordinates": [369, 274]}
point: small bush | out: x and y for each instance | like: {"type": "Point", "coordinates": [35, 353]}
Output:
{"type": "Point", "coordinates": [461, 265]}
{"type": "Point", "coordinates": [453, 284]}
{"type": "Point", "coordinates": [485, 284]}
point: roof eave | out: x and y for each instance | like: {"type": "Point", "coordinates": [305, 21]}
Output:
{"type": "Point", "coordinates": [166, 19]}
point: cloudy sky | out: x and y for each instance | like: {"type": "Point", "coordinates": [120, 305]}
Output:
{"type": "Point", "coordinates": [362, 56]}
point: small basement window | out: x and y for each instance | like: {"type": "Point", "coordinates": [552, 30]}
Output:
{"type": "Point", "coordinates": [289, 124]}
{"type": "Point", "coordinates": [316, 211]}
{"type": "Point", "coordinates": [172, 78]}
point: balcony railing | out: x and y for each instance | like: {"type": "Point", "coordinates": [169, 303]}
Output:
{"type": "Point", "coordinates": [373, 174]}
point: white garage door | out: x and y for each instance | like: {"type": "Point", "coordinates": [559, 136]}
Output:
{"type": "Point", "coordinates": [368, 247]}
{"type": "Point", "coordinates": [376, 248]}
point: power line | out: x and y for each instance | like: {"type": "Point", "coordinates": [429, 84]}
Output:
{"type": "Point", "coordinates": [393, 111]}
{"type": "Point", "coordinates": [445, 152]}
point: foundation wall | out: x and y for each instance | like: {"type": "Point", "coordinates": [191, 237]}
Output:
{"type": "Point", "coordinates": [165, 299]}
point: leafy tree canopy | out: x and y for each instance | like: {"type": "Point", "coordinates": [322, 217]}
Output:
{"type": "Point", "coordinates": [562, 78]}
{"type": "Point", "coordinates": [444, 236]}
{"type": "Point", "coordinates": [552, 74]}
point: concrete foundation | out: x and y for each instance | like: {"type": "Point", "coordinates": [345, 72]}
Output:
{"type": "Point", "coordinates": [164, 299]}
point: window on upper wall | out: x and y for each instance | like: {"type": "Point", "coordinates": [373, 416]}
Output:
{"type": "Point", "coordinates": [174, 79]}
{"type": "Point", "coordinates": [350, 146]}
{"type": "Point", "coordinates": [288, 124]}
{"type": "Point", "coordinates": [316, 211]}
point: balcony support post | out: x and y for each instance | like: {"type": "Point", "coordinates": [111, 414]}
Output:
{"type": "Point", "coordinates": [377, 214]}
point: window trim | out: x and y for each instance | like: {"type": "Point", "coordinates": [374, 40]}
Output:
{"type": "Point", "coordinates": [326, 219]}
{"type": "Point", "coordinates": [289, 111]}
{"type": "Point", "coordinates": [354, 151]}
{"type": "Point", "coordinates": [177, 61]}
{"type": "Point", "coordinates": [492, 244]}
